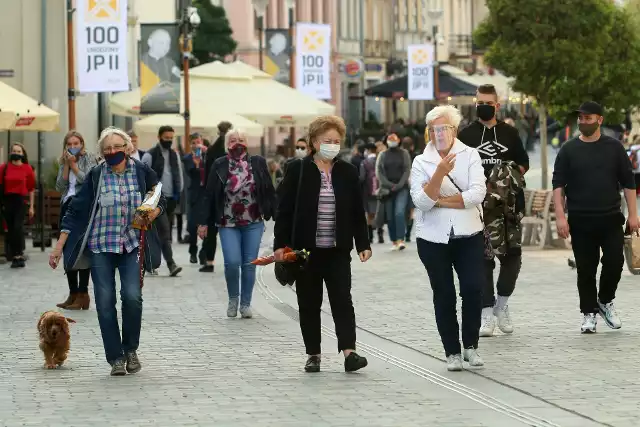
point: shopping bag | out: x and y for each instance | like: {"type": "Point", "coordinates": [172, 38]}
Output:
{"type": "Point", "coordinates": [632, 252]}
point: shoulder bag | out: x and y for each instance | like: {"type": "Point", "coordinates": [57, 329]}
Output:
{"type": "Point", "coordinates": [488, 249]}
{"type": "Point", "coordinates": [288, 272]}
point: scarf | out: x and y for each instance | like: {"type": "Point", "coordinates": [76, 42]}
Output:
{"type": "Point", "coordinates": [239, 173]}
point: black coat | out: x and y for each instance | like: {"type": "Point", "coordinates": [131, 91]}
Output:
{"type": "Point", "coordinates": [350, 216]}
{"type": "Point", "coordinates": [212, 207]}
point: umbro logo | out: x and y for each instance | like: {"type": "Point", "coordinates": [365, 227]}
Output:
{"type": "Point", "coordinates": [491, 148]}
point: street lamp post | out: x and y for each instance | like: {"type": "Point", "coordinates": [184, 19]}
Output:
{"type": "Point", "coordinates": [291, 4]}
{"type": "Point", "coordinates": [190, 21]}
{"type": "Point", "coordinates": [71, 72]}
{"type": "Point", "coordinates": [260, 7]}
{"type": "Point", "coordinates": [435, 15]}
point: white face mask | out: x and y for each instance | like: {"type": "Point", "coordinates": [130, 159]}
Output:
{"type": "Point", "coordinates": [329, 151]}
{"type": "Point", "coordinates": [392, 144]}
{"type": "Point", "coordinates": [300, 153]}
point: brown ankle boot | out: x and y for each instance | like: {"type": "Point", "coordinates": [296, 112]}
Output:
{"type": "Point", "coordinates": [68, 302]}
{"type": "Point", "coordinates": [80, 303]}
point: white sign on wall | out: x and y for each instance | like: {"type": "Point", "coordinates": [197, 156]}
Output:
{"type": "Point", "coordinates": [101, 45]}
{"type": "Point", "coordinates": [313, 57]}
{"type": "Point", "coordinates": [420, 71]}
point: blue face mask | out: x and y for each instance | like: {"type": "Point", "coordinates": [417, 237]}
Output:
{"type": "Point", "coordinates": [74, 151]}
{"type": "Point", "coordinates": [114, 159]}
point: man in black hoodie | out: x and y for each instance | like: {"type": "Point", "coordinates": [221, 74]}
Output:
{"type": "Point", "coordinates": [497, 141]}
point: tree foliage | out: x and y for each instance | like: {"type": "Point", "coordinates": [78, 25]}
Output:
{"type": "Point", "coordinates": [213, 39]}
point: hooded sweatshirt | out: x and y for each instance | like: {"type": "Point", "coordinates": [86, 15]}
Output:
{"type": "Point", "coordinates": [495, 145]}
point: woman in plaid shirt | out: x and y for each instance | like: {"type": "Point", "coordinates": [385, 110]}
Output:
{"type": "Point", "coordinates": [111, 244]}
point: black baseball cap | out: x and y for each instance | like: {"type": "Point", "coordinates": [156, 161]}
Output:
{"type": "Point", "coordinates": [590, 107]}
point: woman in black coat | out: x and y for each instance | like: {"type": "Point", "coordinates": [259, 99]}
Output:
{"type": "Point", "coordinates": [328, 217]}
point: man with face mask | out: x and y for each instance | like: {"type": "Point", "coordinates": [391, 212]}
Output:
{"type": "Point", "coordinates": [497, 142]}
{"type": "Point", "coordinates": [589, 171]}
{"type": "Point", "coordinates": [164, 161]}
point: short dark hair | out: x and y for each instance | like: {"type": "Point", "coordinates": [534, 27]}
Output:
{"type": "Point", "coordinates": [164, 129]}
{"type": "Point", "coordinates": [371, 146]}
{"type": "Point", "coordinates": [302, 139]}
{"type": "Point", "coordinates": [361, 146]}
{"type": "Point", "coordinates": [206, 142]}
{"type": "Point", "coordinates": [487, 90]}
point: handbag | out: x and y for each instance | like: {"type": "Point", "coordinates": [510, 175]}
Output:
{"type": "Point", "coordinates": [488, 249]}
{"type": "Point", "coordinates": [632, 252]}
{"type": "Point", "coordinates": [288, 272]}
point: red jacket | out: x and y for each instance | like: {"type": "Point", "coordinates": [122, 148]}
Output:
{"type": "Point", "coordinates": [17, 179]}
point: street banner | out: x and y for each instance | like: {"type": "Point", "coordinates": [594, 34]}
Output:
{"type": "Point", "coordinates": [313, 57]}
{"type": "Point", "coordinates": [420, 70]}
{"type": "Point", "coordinates": [278, 60]}
{"type": "Point", "coordinates": [159, 72]}
{"type": "Point", "coordinates": [101, 46]}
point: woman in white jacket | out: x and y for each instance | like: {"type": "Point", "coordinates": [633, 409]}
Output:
{"type": "Point", "coordinates": [447, 188]}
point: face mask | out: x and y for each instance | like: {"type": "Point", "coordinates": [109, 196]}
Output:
{"type": "Point", "coordinates": [166, 143]}
{"type": "Point", "coordinates": [114, 159]}
{"type": "Point", "coordinates": [392, 144]}
{"type": "Point", "coordinates": [237, 151]}
{"type": "Point", "coordinates": [74, 151]}
{"type": "Point", "coordinates": [588, 129]}
{"type": "Point", "coordinates": [300, 153]}
{"type": "Point", "coordinates": [442, 137]}
{"type": "Point", "coordinates": [485, 112]}
{"type": "Point", "coordinates": [15, 157]}
{"type": "Point", "coordinates": [329, 151]}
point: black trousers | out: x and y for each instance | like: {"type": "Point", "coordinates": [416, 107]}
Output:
{"type": "Point", "coordinates": [589, 236]}
{"type": "Point", "coordinates": [510, 265]}
{"type": "Point", "coordinates": [14, 210]}
{"type": "Point", "coordinates": [163, 225]}
{"type": "Point", "coordinates": [78, 280]}
{"type": "Point", "coordinates": [466, 256]}
{"type": "Point", "coordinates": [333, 266]}
{"type": "Point", "coordinates": [208, 251]}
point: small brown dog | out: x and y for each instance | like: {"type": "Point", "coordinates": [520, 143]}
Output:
{"type": "Point", "coordinates": [53, 328]}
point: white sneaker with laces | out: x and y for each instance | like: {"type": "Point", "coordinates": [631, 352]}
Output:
{"type": "Point", "coordinates": [610, 315]}
{"type": "Point", "coordinates": [488, 322]}
{"type": "Point", "coordinates": [589, 322]}
{"type": "Point", "coordinates": [504, 319]}
{"type": "Point", "coordinates": [471, 355]}
{"type": "Point", "coordinates": [454, 362]}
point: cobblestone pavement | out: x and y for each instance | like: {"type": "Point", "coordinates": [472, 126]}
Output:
{"type": "Point", "coordinates": [546, 356]}
{"type": "Point", "coordinates": [202, 369]}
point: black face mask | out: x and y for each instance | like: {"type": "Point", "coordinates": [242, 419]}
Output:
{"type": "Point", "coordinates": [15, 157]}
{"type": "Point", "coordinates": [588, 129]}
{"type": "Point", "coordinates": [485, 112]}
{"type": "Point", "coordinates": [166, 143]}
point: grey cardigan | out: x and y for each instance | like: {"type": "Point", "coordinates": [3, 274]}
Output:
{"type": "Point", "coordinates": [85, 163]}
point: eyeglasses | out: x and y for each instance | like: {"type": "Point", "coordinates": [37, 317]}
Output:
{"type": "Point", "coordinates": [431, 129]}
{"type": "Point", "coordinates": [114, 148]}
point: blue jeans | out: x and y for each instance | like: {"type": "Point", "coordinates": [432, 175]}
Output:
{"type": "Point", "coordinates": [466, 256]}
{"type": "Point", "coordinates": [395, 209]}
{"type": "Point", "coordinates": [103, 272]}
{"type": "Point", "coordinates": [240, 246]}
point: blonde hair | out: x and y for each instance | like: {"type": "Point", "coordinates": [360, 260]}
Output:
{"type": "Point", "coordinates": [448, 111]}
{"type": "Point", "coordinates": [233, 131]}
{"type": "Point", "coordinates": [111, 131]}
{"type": "Point", "coordinates": [323, 124]}
{"type": "Point", "coordinates": [66, 139]}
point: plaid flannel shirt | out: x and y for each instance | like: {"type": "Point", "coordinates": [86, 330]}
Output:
{"type": "Point", "coordinates": [119, 198]}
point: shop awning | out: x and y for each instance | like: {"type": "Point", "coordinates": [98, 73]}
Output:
{"type": "Point", "coordinates": [449, 86]}
{"type": "Point", "coordinates": [501, 82]}
{"type": "Point", "coordinates": [19, 112]}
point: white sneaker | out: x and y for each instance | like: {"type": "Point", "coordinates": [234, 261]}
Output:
{"type": "Point", "coordinates": [589, 322]}
{"type": "Point", "coordinates": [232, 308]}
{"type": "Point", "coordinates": [610, 315]}
{"type": "Point", "coordinates": [504, 319]}
{"type": "Point", "coordinates": [488, 322]}
{"type": "Point", "coordinates": [454, 362]}
{"type": "Point", "coordinates": [471, 355]}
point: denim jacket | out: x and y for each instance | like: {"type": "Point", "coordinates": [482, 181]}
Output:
{"type": "Point", "coordinates": [76, 220]}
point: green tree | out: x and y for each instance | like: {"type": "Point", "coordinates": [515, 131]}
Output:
{"type": "Point", "coordinates": [542, 42]}
{"type": "Point", "coordinates": [616, 82]}
{"type": "Point", "coordinates": [213, 38]}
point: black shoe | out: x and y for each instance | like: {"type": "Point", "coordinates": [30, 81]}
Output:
{"type": "Point", "coordinates": [207, 269]}
{"type": "Point", "coordinates": [174, 270]}
{"type": "Point", "coordinates": [313, 364]}
{"type": "Point", "coordinates": [15, 263]}
{"type": "Point", "coordinates": [193, 259]}
{"type": "Point", "coordinates": [407, 238]}
{"type": "Point", "coordinates": [353, 362]}
{"type": "Point", "coordinates": [118, 368]}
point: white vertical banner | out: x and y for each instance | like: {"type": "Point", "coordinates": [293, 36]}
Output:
{"type": "Point", "coordinates": [420, 60]}
{"type": "Point", "coordinates": [313, 57]}
{"type": "Point", "coordinates": [101, 45]}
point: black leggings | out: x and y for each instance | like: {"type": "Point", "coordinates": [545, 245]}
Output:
{"type": "Point", "coordinates": [14, 210]}
{"type": "Point", "coordinates": [75, 285]}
